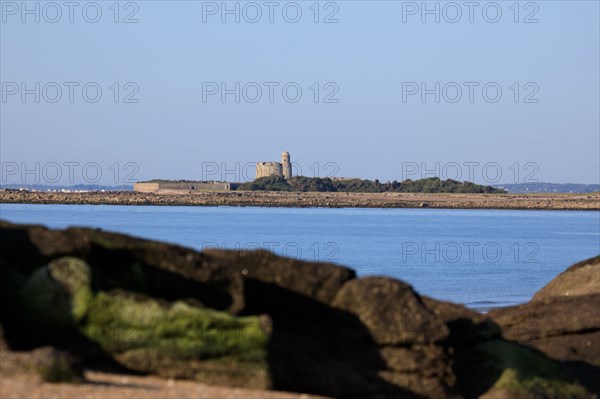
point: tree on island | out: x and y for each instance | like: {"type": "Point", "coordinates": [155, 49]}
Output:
{"type": "Point", "coordinates": [316, 184]}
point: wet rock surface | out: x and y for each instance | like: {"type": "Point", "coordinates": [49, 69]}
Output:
{"type": "Point", "coordinates": [253, 319]}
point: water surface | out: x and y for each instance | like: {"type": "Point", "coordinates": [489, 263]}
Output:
{"type": "Point", "coordinates": [481, 258]}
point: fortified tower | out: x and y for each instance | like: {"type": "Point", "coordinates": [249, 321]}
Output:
{"type": "Point", "coordinates": [286, 165]}
{"type": "Point", "coordinates": [279, 169]}
{"type": "Point", "coordinates": [264, 169]}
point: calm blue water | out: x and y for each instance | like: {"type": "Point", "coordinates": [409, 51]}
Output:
{"type": "Point", "coordinates": [482, 258]}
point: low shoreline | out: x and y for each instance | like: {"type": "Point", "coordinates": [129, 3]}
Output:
{"type": "Point", "coordinates": [538, 201]}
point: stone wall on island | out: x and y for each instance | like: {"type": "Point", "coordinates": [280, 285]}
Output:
{"type": "Point", "coordinates": [183, 186]}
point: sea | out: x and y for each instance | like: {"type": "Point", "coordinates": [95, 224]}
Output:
{"type": "Point", "coordinates": [483, 259]}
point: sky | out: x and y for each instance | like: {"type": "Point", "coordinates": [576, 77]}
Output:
{"type": "Point", "coordinates": [116, 92]}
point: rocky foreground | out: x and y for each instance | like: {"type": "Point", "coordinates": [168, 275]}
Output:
{"type": "Point", "coordinates": [589, 201]}
{"type": "Point", "coordinates": [80, 303]}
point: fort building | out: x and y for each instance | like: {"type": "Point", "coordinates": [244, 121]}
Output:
{"type": "Point", "coordinates": [170, 186]}
{"type": "Point", "coordinates": [279, 169]}
{"type": "Point", "coordinates": [264, 169]}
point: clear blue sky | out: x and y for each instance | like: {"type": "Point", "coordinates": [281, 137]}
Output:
{"type": "Point", "coordinates": [371, 55]}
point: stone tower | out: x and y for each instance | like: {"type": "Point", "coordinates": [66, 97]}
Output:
{"type": "Point", "coordinates": [264, 169]}
{"type": "Point", "coordinates": [286, 165]}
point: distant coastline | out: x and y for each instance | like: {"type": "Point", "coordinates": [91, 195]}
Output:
{"type": "Point", "coordinates": [540, 187]}
{"type": "Point", "coordinates": [589, 201]}
{"type": "Point", "coordinates": [511, 188]}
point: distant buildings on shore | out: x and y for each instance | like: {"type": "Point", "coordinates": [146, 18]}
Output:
{"type": "Point", "coordinates": [541, 187]}
{"type": "Point", "coordinates": [263, 169]}
{"type": "Point", "coordinates": [283, 169]}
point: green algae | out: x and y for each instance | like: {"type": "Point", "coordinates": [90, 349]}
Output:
{"type": "Point", "coordinates": [121, 321]}
{"type": "Point", "coordinates": [58, 294]}
{"type": "Point", "coordinates": [525, 371]}
{"type": "Point", "coordinates": [135, 328]}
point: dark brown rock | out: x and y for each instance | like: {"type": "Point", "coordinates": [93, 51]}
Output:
{"type": "Point", "coordinates": [319, 281]}
{"type": "Point", "coordinates": [549, 318]}
{"type": "Point", "coordinates": [582, 278]}
{"type": "Point", "coordinates": [168, 271]}
{"type": "Point", "coordinates": [392, 311]}
{"type": "Point", "coordinates": [581, 347]}
{"type": "Point", "coordinates": [465, 325]}
{"type": "Point", "coordinates": [3, 344]}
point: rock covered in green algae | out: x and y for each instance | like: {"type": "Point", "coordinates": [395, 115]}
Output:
{"type": "Point", "coordinates": [179, 328]}
{"type": "Point", "coordinates": [177, 339]}
{"type": "Point", "coordinates": [505, 369]}
{"type": "Point", "coordinates": [58, 294]}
